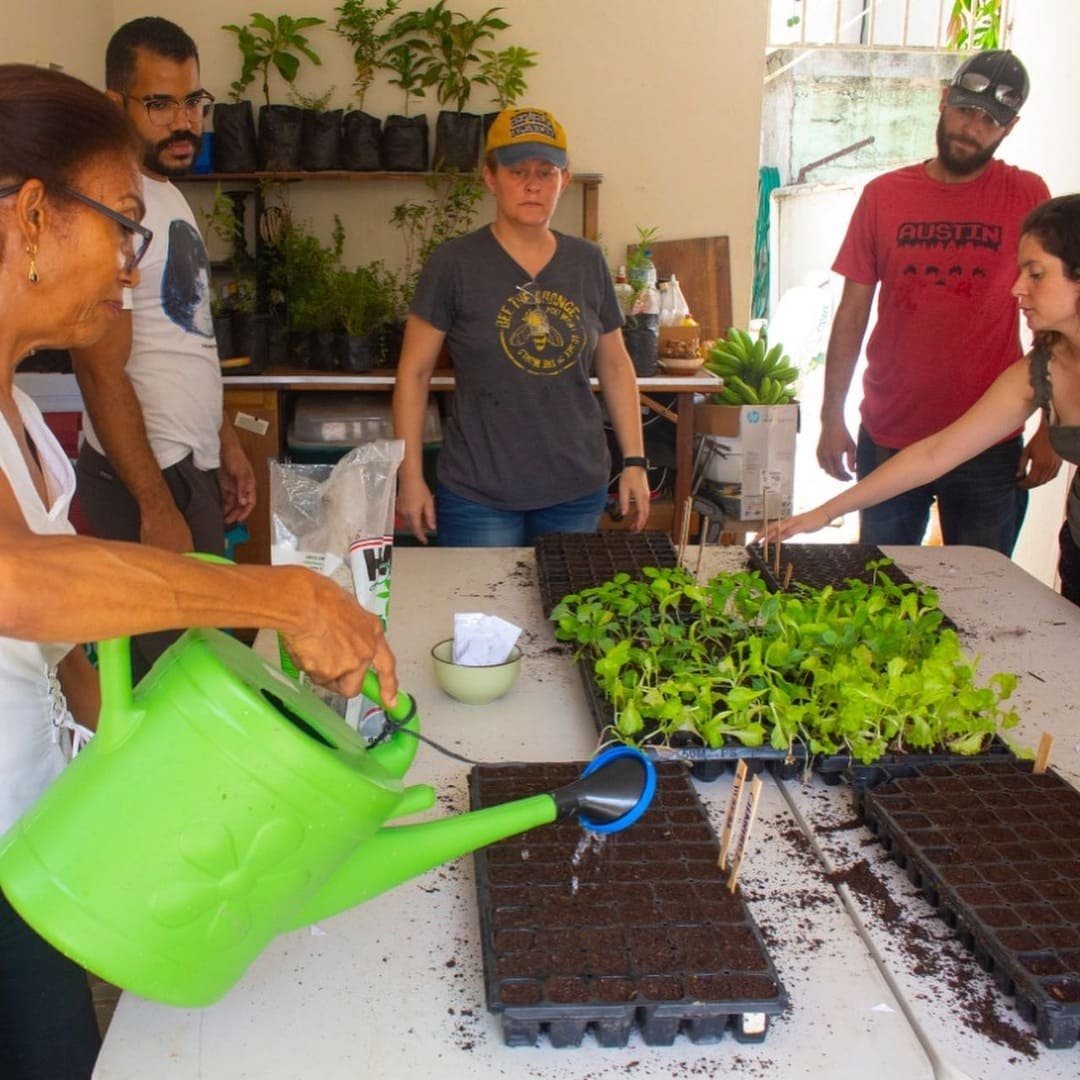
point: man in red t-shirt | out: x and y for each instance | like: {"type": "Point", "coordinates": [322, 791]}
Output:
{"type": "Point", "coordinates": [940, 239]}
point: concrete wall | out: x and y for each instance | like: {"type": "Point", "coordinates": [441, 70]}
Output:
{"type": "Point", "coordinates": [818, 102]}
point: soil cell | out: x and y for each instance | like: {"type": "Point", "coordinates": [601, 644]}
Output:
{"type": "Point", "coordinates": [640, 930]}
{"type": "Point", "coordinates": [569, 562]}
{"type": "Point", "coordinates": [1011, 900]}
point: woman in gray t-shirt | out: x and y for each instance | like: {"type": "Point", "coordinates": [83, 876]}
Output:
{"type": "Point", "coordinates": [527, 314]}
{"type": "Point", "coordinates": [1048, 291]}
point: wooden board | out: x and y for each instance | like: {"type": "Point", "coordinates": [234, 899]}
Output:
{"type": "Point", "coordinates": [703, 267]}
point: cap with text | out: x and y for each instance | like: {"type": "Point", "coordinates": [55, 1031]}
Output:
{"type": "Point", "coordinates": [518, 135]}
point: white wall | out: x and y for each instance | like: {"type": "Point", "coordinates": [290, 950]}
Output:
{"type": "Point", "coordinates": [71, 33]}
{"type": "Point", "coordinates": [1045, 37]}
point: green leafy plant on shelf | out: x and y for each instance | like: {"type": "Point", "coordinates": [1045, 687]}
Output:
{"type": "Point", "coordinates": [364, 299]}
{"type": "Point", "coordinates": [266, 44]}
{"type": "Point", "coordinates": [424, 225]}
{"type": "Point", "coordinates": [301, 273]}
{"type": "Point", "coordinates": [504, 73]}
{"type": "Point", "coordinates": [454, 57]}
{"type": "Point", "coordinates": [358, 23]}
{"type": "Point", "coordinates": [407, 56]}
{"type": "Point", "coordinates": [864, 670]}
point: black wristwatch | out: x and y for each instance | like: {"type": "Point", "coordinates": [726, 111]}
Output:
{"type": "Point", "coordinates": [643, 462]}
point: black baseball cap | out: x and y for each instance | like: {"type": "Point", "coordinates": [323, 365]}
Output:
{"type": "Point", "coordinates": [994, 81]}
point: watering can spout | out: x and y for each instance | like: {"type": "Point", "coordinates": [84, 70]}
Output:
{"type": "Point", "coordinates": [612, 793]}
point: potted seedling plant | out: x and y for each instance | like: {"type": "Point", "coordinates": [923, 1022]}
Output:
{"type": "Point", "coordinates": [233, 302]}
{"type": "Point", "coordinates": [364, 300]}
{"type": "Point", "coordinates": [504, 73]}
{"type": "Point", "coordinates": [455, 66]}
{"type": "Point", "coordinates": [641, 331]}
{"type": "Point", "coordinates": [320, 131]}
{"type": "Point", "coordinates": [266, 44]}
{"type": "Point", "coordinates": [407, 58]}
{"type": "Point", "coordinates": [301, 271]}
{"type": "Point", "coordinates": [359, 24]}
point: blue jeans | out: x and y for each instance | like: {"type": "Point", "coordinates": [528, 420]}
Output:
{"type": "Point", "coordinates": [979, 502]}
{"type": "Point", "coordinates": [464, 523]}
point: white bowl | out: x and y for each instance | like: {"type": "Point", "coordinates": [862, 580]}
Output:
{"type": "Point", "coordinates": [474, 685]}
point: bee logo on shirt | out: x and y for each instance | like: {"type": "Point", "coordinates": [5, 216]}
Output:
{"type": "Point", "coordinates": [541, 331]}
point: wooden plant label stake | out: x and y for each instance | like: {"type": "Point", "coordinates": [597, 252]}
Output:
{"type": "Point", "coordinates": [733, 802]}
{"type": "Point", "coordinates": [747, 823]}
{"type": "Point", "coordinates": [787, 575]}
{"type": "Point", "coordinates": [1042, 755]}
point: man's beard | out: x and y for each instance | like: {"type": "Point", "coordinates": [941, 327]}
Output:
{"type": "Point", "coordinates": [152, 154]}
{"type": "Point", "coordinates": [962, 166]}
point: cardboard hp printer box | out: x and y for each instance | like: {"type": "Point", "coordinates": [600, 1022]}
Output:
{"type": "Point", "coordinates": [758, 459]}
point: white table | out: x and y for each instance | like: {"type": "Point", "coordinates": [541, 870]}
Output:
{"type": "Point", "coordinates": [394, 988]}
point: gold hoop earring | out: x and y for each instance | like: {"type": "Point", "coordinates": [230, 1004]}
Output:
{"type": "Point", "coordinates": [32, 275]}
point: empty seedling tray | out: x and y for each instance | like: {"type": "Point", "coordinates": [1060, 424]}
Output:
{"type": "Point", "coordinates": [995, 849]}
{"type": "Point", "coordinates": [569, 562]}
{"type": "Point", "coordinates": [637, 930]}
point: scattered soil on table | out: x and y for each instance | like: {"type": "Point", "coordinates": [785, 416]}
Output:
{"type": "Point", "coordinates": [994, 849]}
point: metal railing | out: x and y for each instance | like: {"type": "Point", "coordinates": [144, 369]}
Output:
{"type": "Point", "coordinates": [888, 24]}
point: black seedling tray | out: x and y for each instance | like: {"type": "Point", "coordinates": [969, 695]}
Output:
{"type": "Point", "coordinates": [819, 565]}
{"type": "Point", "coordinates": [640, 932]}
{"type": "Point", "coordinates": [995, 849]}
{"type": "Point", "coordinates": [569, 562]}
{"type": "Point", "coordinates": [706, 763]}
{"type": "Point", "coordinates": [836, 767]}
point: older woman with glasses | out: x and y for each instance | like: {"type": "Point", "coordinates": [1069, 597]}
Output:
{"type": "Point", "coordinates": [70, 242]}
{"type": "Point", "coordinates": [528, 315]}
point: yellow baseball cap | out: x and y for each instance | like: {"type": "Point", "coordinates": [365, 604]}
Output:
{"type": "Point", "coordinates": [517, 135]}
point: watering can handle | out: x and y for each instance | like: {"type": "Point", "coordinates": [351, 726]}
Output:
{"type": "Point", "coordinates": [402, 709]}
{"type": "Point", "coordinates": [114, 673]}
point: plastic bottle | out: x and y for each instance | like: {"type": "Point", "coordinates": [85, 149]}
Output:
{"type": "Point", "coordinates": [624, 291]}
{"type": "Point", "coordinates": [676, 308]}
{"type": "Point", "coordinates": [643, 272]}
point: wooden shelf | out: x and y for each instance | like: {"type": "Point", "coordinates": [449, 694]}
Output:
{"type": "Point", "coordinates": [590, 184]}
{"type": "Point", "coordinates": [343, 174]}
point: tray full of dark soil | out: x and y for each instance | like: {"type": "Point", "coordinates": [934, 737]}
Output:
{"type": "Point", "coordinates": [818, 565]}
{"type": "Point", "coordinates": [995, 849]}
{"type": "Point", "coordinates": [569, 562]}
{"type": "Point", "coordinates": [635, 930]}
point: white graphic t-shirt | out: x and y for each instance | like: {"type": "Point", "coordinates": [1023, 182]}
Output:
{"type": "Point", "coordinates": [174, 362]}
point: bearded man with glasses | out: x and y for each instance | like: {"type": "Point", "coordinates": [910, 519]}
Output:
{"type": "Point", "coordinates": [161, 463]}
{"type": "Point", "coordinates": [940, 238]}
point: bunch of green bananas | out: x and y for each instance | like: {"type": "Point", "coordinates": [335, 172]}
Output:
{"type": "Point", "coordinates": [753, 373]}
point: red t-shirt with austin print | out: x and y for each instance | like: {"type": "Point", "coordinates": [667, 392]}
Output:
{"type": "Point", "coordinates": [945, 258]}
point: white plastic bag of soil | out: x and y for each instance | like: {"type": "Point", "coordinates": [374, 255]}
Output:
{"type": "Point", "coordinates": [339, 521]}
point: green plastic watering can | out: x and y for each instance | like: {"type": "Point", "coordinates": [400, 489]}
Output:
{"type": "Point", "coordinates": [221, 804]}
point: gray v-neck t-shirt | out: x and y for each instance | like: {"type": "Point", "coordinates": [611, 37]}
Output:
{"type": "Point", "coordinates": [525, 430]}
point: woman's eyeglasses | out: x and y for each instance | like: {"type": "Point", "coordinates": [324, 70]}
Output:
{"type": "Point", "coordinates": [135, 237]}
{"type": "Point", "coordinates": [162, 111]}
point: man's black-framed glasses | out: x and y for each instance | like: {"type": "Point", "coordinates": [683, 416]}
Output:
{"type": "Point", "coordinates": [137, 237]}
{"type": "Point", "coordinates": [1002, 93]}
{"type": "Point", "coordinates": [162, 111]}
